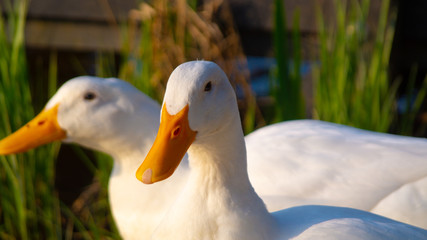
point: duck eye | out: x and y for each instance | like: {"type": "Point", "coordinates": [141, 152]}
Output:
{"type": "Point", "coordinates": [89, 96]}
{"type": "Point", "coordinates": [208, 86]}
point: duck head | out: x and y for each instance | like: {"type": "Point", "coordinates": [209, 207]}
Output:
{"type": "Point", "coordinates": [90, 111]}
{"type": "Point", "coordinates": [198, 100]}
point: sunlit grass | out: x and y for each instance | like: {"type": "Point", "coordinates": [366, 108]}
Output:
{"type": "Point", "coordinates": [286, 78]}
{"type": "Point", "coordinates": [29, 206]}
{"type": "Point", "coordinates": [351, 81]}
{"type": "Point", "coordinates": [352, 85]}
{"type": "Point", "coordinates": [169, 33]}
{"type": "Point", "coordinates": [90, 215]}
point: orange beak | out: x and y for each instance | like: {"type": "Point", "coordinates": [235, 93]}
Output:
{"type": "Point", "coordinates": [44, 128]}
{"type": "Point", "coordinates": [173, 139]}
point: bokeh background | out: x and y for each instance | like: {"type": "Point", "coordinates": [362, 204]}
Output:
{"type": "Point", "coordinates": [356, 62]}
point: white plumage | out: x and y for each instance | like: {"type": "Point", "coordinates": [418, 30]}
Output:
{"type": "Point", "coordinates": [289, 164]}
{"type": "Point", "coordinates": [331, 164]}
{"type": "Point", "coordinates": [218, 201]}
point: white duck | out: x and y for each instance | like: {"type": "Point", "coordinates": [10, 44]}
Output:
{"type": "Point", "coordinates": [111, 116]}
{"type": "Point", "coordinates": [218, 202]}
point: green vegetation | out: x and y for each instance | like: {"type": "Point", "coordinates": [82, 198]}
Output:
{"type": "Point", "coordinates": [286, 79]}
{"type": "Point", "coordinates": [351, 82]}
{"type": "Point", "coordinates": [29, 207]}
{"type": "Point", "coordinates": [170, 33]}
{"type": "Point", "coordinates": [352, 86]}
{"type": "Point", "coordinates": [414, 99]}
{"type": "Point", "coordinates": [90, 216]}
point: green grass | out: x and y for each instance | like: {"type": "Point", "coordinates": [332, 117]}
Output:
{"type": "Point", "coordinates": [414, 99]}
{"type": "Point", "coordinates": [170, 33]}
{"type": "Point", "coordinates": [351, 81]}
{"type": "Point", "coordinates": [29, 207]}
{"type": "Point", "coordinates": [286, 77]}
{"type": "Point", "coordinates": [352, 85]}
{"type": "Point", "coordinates": [29, 204]}
{"type": "Point", "coordinates": [90, 215]}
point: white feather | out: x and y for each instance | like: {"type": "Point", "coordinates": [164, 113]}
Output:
{"type": "Point", "coordinates": [289, 164]}
{"type": "Point", "coordinates": [218, 201]}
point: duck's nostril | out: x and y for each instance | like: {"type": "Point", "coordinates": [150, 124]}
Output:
{"type": "Point", "coordinates": [176, 131]}
{"type": "Point", "coordinates": [41, 122]}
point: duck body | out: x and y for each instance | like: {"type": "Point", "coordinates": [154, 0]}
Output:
{"type": "Point", "coordinates": [218, 201]}
{"type": "Point", "coordinates": [327, 222]}
{"type": "Point", "coordinates": [331, 164]}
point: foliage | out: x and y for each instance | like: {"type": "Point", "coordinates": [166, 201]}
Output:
{"type": "Point", "coordinates": [172, 32]}
{"type": "Point", "coordinates": [29, 204]}
{"type": "Point", "coordinates": [29, 207]}
{"type": "Point", "coordinates": [286, 79]}
{"type": "Point", "coordinates": [352, 86]}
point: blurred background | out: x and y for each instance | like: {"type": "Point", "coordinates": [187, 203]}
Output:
{"type": "Point", "coordinates": [356, 62]}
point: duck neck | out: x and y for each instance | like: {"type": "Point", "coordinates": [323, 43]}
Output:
{"type": "Point", "coordinates": [131, 145]}
{"type": "Point", "coordinates": [218, 200]}
{"type": "Point", "coordinates": [220, 159]}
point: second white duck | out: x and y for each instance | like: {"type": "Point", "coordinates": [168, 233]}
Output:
{"type": "Point", "coordinates": [200, 114]}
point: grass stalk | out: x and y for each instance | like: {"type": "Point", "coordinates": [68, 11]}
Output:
{"type": "Point", "coordinates": [286, 80]}
{"type": "Point", "coordinates": [28, 204]}
{"type": "Point", "coordinates": [352, 85]}
{"type": "Point", "coordinates": [171, 33]}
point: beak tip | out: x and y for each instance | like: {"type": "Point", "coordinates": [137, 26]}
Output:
{"type": "Point", "coordinates": [146, 176]}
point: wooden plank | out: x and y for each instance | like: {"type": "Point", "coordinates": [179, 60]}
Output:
{"type": "Point", "coordinates": [80, 10]}
{"type": "Point", "coordinates": [87, 24]}
{"type": "Point", "coordinates": [72, 36]}
{"type": "Point", "coordinates": [255, 15]}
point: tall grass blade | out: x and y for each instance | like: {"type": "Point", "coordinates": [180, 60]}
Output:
{"type": "Point", "coordinates": [352, 85]}
{"type": "Point", "coordinates": [286, 82]}
{"type": "Point", "coordinates": [28, 202]}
